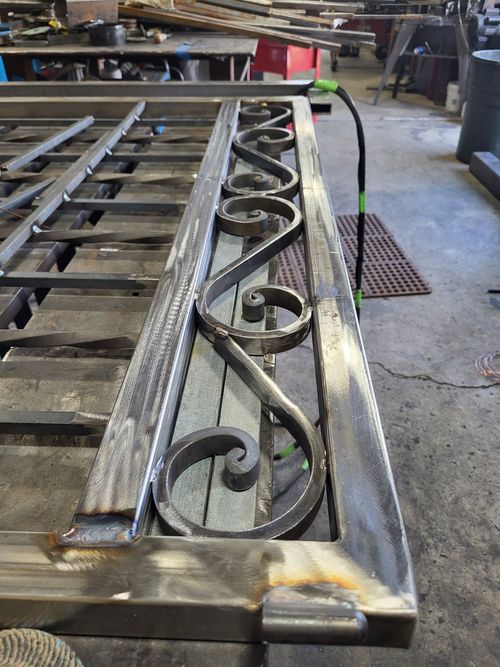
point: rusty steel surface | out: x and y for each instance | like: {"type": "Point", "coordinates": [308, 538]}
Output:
{"type": "Point", "coordinates": [113, 573]}
{"type": "Point", "coordinates": [74, 12]}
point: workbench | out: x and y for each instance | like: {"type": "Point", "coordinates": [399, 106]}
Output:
{"type": "Point", "coordinates": [183, 45]}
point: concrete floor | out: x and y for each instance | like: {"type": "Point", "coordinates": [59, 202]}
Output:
{"type": "Point", "coordinates": [443, 429]}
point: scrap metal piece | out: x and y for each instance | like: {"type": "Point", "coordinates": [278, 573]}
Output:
{"type": "Point", "coordinates": [76, 12]}
{"type": "Point", "coordinates": [485, 364]}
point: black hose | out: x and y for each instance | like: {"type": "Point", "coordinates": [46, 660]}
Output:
{"type": "Point", "coordinates": [333, 87]}
{"type": "Point", "coordinates": [291, 447]}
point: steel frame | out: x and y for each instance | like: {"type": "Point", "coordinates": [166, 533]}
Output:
{"type": "Point", "coordinates": [115, 579]}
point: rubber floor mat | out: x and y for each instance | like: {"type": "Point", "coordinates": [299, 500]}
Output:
{"type": "Point", "coordinates": [387, 271]}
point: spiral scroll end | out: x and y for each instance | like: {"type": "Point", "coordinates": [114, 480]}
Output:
{"type": "Point", "coordinates": [241, 468]}
{"type": "Point", "coordinates": [253, 306]}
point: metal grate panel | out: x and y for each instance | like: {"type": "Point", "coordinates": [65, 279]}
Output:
{"type": "Point", "coordinates": [387, 271]}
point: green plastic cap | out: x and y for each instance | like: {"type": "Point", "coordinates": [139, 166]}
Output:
{"type": "Point", "coordinates": [329, 86]}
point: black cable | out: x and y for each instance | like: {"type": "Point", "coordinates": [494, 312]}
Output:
{"type": "Point", "coordinates": [280, 491]}
{"type": "Point", "coordinates": [333, 87]}
{"type": "Point", "coordinates": [290, 448]}
{"type": "Point", "coordinates": [344, 95]}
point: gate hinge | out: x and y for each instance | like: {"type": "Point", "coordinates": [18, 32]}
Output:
{"type": "Point", "coordinates": [311, 622]}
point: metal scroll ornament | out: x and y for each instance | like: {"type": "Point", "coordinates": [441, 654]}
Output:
{"type": "Point", "coordinates": [251, 202]}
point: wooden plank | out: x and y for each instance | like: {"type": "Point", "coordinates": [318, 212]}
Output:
{"type": "Point", "coordinates": [175, 17]}
{"type": "Point", "coordinates": [239, 10]}
{"type": "Point", "coordinates": [318, 5]}
{"type": "Point", "coordinates": [232, 510]}
{"type": "Point", "coordinates": [202, 394]}
{"type": "Point", "coordinates": [327, 38]}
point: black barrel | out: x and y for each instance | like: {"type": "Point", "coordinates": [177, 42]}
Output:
{"type": "Point", "coordinates": [481, 125]}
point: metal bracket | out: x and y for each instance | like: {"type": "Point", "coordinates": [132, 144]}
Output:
{"type": "Point", "coordinates": [288, 618]}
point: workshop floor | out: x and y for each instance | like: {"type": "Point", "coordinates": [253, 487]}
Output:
{"type": "Point", "coordinates": [442, 429]}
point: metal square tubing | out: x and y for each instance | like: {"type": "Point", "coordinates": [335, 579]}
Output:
{"type": "Point", "coordinates": [117, 494]}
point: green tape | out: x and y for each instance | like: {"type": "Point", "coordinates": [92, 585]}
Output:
{"type": "Point", "coordinates": [362, 202]}
{"type": "Point", "coordinates": [305, 465]}
{"type": "Point", "coordinates": [328, 86]}
{"type": "Point", "coordinates": [357, 298]}
{"type": "Point", "coordinates": [286, 451]}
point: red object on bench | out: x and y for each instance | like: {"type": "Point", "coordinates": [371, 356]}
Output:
{"type": "Point", "coordinates": [285, 60]}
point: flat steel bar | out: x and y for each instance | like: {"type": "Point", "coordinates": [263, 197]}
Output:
{"type": "Point", "coordinates": [137, 205]}
{"type": "Point", "coordinates": [118, 491]}
{"type": "Point", "coordinates": [149, 177]}
{"type": "Point", "coordinates": [45, 146]}
{"type": "Point", "coordinates": [67, 280]}
{"type": "Point", "coordinates": [52, 423]}
{"type": "Point", "coordinates": [79, 236]}
{"type": "Point", "coordinates": [20, 198]}
{"type": "Point", "coordinates": [108, 107]}
{"type": "Point", "coordinates": [24, 176]}
{"type": "Point", "coordinates": [34, 338]}
{"type": "Point", "coordinates": [63, 186]}
{"type": "Point", "coordinates": [366, 504]}
{"type": "Point", "coordinates": [174, 153]}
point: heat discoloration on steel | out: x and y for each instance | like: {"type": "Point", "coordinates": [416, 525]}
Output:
{"type": "Point", "coordinates": [308, 579]}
